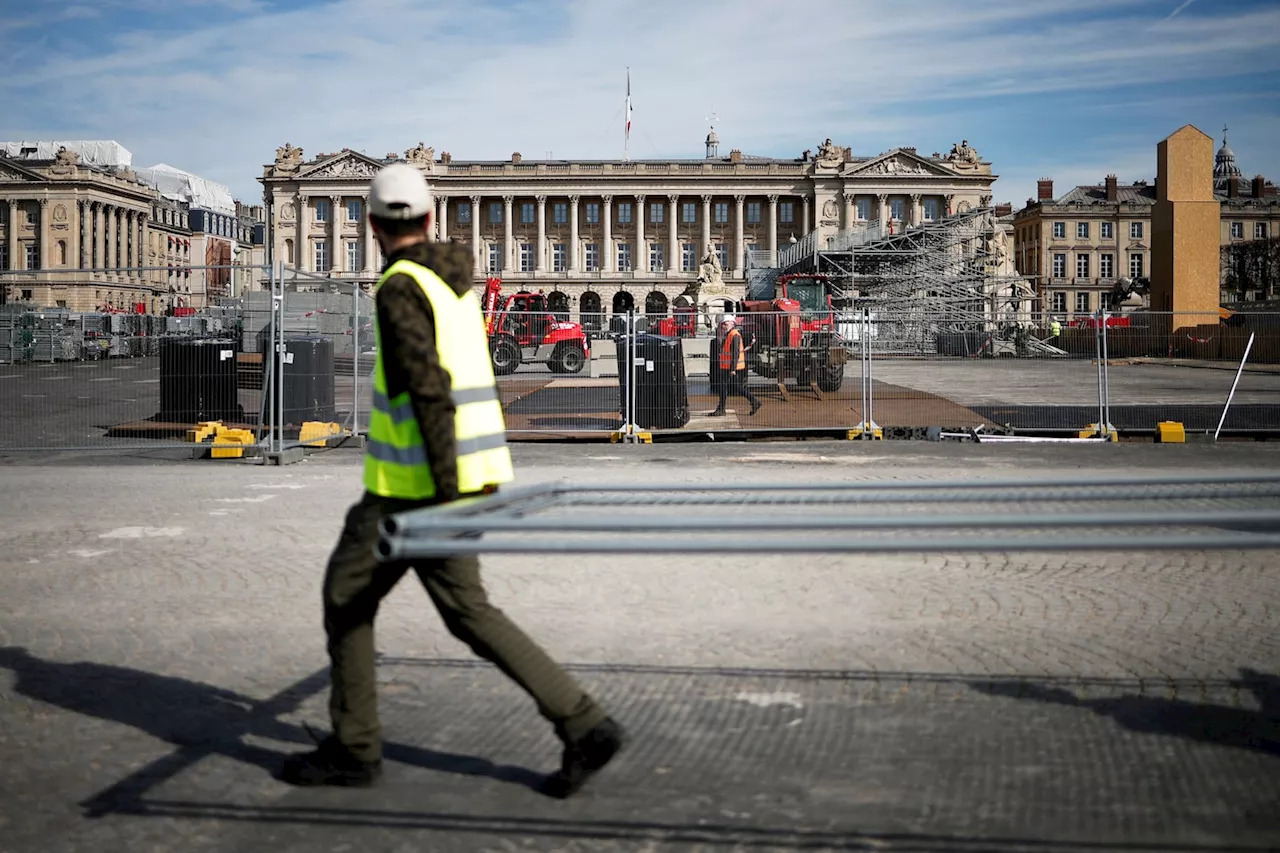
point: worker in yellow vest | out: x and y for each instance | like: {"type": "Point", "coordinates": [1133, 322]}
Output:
{"type": "Point", "coordinates": [436, 434]}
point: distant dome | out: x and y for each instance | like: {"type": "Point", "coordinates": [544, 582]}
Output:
{"type": "Point", "coordinates": [1224, 164]}
{"type": "Point", "coordinates": [712, 138]}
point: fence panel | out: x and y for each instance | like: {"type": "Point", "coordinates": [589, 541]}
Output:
{"type": "Point", "coordinates": [556, 378]}
{"type": "Point", "coordinates": [99, 369]}
{"type": "Point", "coordinates": [90, 379]}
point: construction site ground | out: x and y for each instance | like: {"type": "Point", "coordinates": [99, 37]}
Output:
{"type": "Point", "coordinates": [113, 402]}
{"type": "Point", "coordinates": [1028, 394]}
{"type": "Point", "coordinates": [161, 645]}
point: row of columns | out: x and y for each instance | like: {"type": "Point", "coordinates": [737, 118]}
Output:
{"type": "Point", "coordinates": [639, 263]}
{"type": "Point", "coordinates": [914, 216]}
{"type": "Point", "coordinates": [111, 237]}
{"type": "Point", "coordinates": [337, 244]}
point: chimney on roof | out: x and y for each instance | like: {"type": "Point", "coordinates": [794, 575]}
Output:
{"type": "Point", "coordinates": [735, 156]}
{"type": "Point", "coordinates": [1233, 187]}
{"type": "Point", "coordinates": [515, 157]}
{"type": "Point", "coordinates": [1004, 209]}
{"type": "Point", "coordinates": [446, 157]}
{"type": "Point", "coordinates": [1113, 188]}
{"type": "Point", "coordinates": [1044, 189]}
{"type": "Point", "coordinates": [1259, 186]}
{"type": "Point", "coordinates": [1030, 202]}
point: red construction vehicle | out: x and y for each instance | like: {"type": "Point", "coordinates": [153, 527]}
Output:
{"type": "Point", "coordinates": [792, 332]}
{"type": "Point", "coordinates": [683, 323]}
{"type": "Point", "coordinates": [522, 330]}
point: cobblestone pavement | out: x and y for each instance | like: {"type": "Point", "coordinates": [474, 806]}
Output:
{"type": "Point", "coordinates": [160, 647]}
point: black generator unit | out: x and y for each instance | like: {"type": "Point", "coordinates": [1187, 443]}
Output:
{"type": "Point", "coordinates": [308, 379]}
{"type": "Point", "coordinates": [662, 393]}
{"type": "Point", "coordinates": [198, 380]}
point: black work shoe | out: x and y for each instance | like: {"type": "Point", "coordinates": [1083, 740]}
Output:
{"type": "Point", "coordinates": [718, 413]}
{"type": "Point", "coordinates": [754, 409]}
{"type": "Point", "coordinates": [330, 764]}
{"type": "Point", "coordinates": [583, 758]}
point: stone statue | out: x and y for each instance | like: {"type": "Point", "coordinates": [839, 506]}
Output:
{"type": "Point", "coordinates": [708, 292]}
{"type": "Point", "coordinates": [830, 210]}
{"type": "Point", "coordinates": [710, 273]}
{"type": "Point", "coordinates": [65, 157]}
{"type": "Point", "coordinates": [829, 154]}
{"type": "Point", "coordinates": [962, 153]}
{"type": "Point", "coordinates": [422, 155]}
{"type": "Point", "coordinates": [288, 159]}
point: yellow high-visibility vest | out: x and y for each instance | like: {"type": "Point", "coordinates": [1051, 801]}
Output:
{"type": "Point", "coordinates": [395, 462]}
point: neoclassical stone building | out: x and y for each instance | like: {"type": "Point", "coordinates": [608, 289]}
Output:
{"type": "Point", "coordinates": [58, 216]}
{"type": "Point", "coordinates": [603, 232]}
{"type": "Point", "coordinates": [90, 233]}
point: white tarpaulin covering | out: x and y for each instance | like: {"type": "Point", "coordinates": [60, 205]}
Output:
{"type": "Point", "coordinates": [92, 153]}
{"type": "Point", "coordinates": [184, 186]}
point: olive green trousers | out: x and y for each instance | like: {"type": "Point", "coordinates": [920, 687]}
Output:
{"type": "Point", "coordinates": [355, 584]}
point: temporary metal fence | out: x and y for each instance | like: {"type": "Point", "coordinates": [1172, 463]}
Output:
{"type": "Point", "coordinates": [1199, 511]}
{"type": "Point", "coordinates": [73, 378]}
{"type": "Point", "coordinates": [121, 358]}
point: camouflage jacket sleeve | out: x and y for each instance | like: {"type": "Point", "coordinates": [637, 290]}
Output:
{"type": "Point", "coordinates": [406, 326]}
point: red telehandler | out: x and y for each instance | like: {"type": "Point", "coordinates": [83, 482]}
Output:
{"type": "Point", "coordinates": [522, 330]}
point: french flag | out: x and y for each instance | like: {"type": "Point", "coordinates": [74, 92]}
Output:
{"type": "Point", "coordinates": [628, 104]}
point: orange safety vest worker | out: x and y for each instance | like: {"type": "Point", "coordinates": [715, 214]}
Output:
{"type": "Point", "coordinates": [726, 352]}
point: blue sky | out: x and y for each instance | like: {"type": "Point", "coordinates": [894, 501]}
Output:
{"type": "Point", "coordinates": [1068, 89]}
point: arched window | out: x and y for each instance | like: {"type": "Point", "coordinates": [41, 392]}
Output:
{"type": "Point", "coordinates": [623, 302]}
{"type": "Point", "coordinates": [288, 251]}
{"type": "Point", "coordinates": [589, 311]}
{"type": "Point", "coordinates": [559, 305]}
{"type": "Point", "coordinates": [655, 305]}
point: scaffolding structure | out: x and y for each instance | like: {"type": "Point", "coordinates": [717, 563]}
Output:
{"type": "Point", "coordinates": [923, 285]}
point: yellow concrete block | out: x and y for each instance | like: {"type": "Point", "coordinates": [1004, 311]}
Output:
{"type": "Point", "coordinates": [1170, 432]}
{"type": "Point", "coordinates": [855, 434]}
{"type": "Point", "coordinates": [230, 443]}
{"type": "Point", "coordinates": [203, 430]}
{"type": "Point", "coordinates": [314, 433]}
{"type": "Point", "coordinates": [1092, 431]}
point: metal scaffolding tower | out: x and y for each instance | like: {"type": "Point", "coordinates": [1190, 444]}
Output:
{"type": "Point", "coordinates": [937, 278]}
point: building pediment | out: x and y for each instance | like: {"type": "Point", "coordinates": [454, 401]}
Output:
{"type": "Point", "coordinates": [347, 164]}
{"type": "Point", "coordinates": [896, 164]}
{"type": "Point", "coordinates": [12, 172]}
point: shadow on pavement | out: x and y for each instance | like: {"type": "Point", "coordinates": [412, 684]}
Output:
{"type": "Point", "coordinates": [1216, 724]}
{"type": "Point", "coordinates": [201, 720]}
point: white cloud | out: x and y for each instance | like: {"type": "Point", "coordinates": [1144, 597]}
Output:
{"type": "Point", "coordinates": [483, 80]}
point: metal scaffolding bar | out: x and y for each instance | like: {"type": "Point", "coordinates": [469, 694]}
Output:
{"type": "Point", "coordinates": [1195, 512]}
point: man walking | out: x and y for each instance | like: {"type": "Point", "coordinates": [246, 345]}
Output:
{"type": "Point", "coordinates": [733, 368]}
{"type": "Point", "coordinates": [436, 434]}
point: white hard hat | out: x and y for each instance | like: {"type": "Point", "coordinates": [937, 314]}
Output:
{"type": "Point", "coordinates": [730, 319]}
{"type": "Point", "coordinates": [399, 191]}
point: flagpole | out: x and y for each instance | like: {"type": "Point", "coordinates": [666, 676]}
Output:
{"type": "Point", "coordinates": [626, 125]}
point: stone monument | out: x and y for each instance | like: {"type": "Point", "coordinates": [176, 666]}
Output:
{"type": "Point", "coordinates": [1185, 231]}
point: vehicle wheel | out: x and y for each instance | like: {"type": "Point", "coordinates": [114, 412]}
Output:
{"type": "Point", "coordinates": [569, 359]}
{"type": "Point", "coordinates": [506, 357]}
{"type": "Point", "coordinates": [831, 377]}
